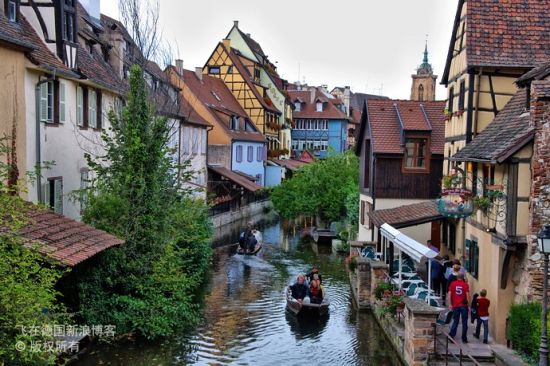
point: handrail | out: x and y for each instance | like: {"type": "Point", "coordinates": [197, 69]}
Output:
{"type": "Point", "coordinates": [446, 344]}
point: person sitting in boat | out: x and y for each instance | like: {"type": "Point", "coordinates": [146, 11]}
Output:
{"type": "Point", "coordinates": [314, 271]}
{"type": "Point", "coordinates": [315, 292]}
{"type": "Point", "coordinates": [243, 238]}
{"type": "Point", "coordinates": [251, 241]}
{"type": "Point", "coordinates": [299, 290]}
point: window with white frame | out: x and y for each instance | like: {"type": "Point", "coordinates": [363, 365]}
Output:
{"type": "Point", "coordinates": [12, 10]}
{"type": "Point", "coordinates": [297, 106]}
{"type": "Point", "coordinates": [61, 102]}
{"type": "Point", "coordinates": [319, 106]}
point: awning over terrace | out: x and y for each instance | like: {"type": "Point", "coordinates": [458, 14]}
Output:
{"type": "Point", "coordinates": [415, 250]}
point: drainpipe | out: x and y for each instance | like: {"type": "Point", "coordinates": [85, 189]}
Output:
{"type": "Point", "coordinates": [38, 139]}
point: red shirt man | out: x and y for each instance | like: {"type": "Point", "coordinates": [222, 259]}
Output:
{"type": "Point", "coordinates": [458, 292]}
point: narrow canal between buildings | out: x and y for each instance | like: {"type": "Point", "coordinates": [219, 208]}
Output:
{"type": "Point", "coordinates": [245, 322]}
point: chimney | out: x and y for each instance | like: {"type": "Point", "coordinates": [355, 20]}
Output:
{"type": "Point", "coordinates": [226, 43]}
{"type": "Point", "coordinates": [198, 72]}
{"type": "Point", "coordinates": [236, 23]}
{"type": "Point", "coordinates": [312, 95]}
{"type": "Point", "coordinates": [347, 97]}
{"type": "Point", "coordinates": [179, 66]}
{"type": "Point", "coordinates": [325, 88]}
{"type": "Point", "coordinates": [248, 34]}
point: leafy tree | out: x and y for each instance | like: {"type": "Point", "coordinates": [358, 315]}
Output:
{"type": "Point", "coordinates": [320, 189]}
{"type": "Point", "coordinates": [27, 282]}
{"type": "Point", "coordinates": [146, 285]}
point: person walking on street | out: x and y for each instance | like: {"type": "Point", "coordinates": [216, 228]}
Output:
{"type": "Point", "coordinates": [483, 315]}
{"type": "Point", "coordinates": [459, 298]}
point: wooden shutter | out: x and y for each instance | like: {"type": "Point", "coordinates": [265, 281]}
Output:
{"type": "Point", "coordinates": [362, 213]}
{"type": "Point", "coordinates": [99, 110]}
{"type": "Point", "coordinates": [44, 102]}
{"type": "Point", "coordinates": [46, 194]}
{"type": "Point", "coordinates": [92, 109]}
{"type": "Point", "coordinates": [61, 102]}
{"type": "Point", "coordinates": [58, 196]}
{"type": "Point", "coordinates": [79, 106]}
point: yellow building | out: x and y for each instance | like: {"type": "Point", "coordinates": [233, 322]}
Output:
{"type": "Point", "coordinates": [490, 48]}
{"type": "Point", "coordinates": [242, 76]}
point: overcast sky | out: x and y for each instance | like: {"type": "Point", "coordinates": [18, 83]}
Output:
{"type": "Point", "coordinates": [369, 45]}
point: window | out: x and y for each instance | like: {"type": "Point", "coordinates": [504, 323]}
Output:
{"type": "Point", "coordinates": [53, 194]}
{"type": "Point", "coordinates": [472, 257]}
{"type": "Point", "coordinates": [259, 179]}
{"type": "Point", "coordinates": [234, 123]}
{"type": "Point", "coordinates": [203, 141]}
{"type": "Point", "coordinates": [461, 96]}
{"type": "Point", "coordinates": [257, 73]}
{"type": "Point", "coordinates": [259, 153]}
{"type": "Point", "coordinates": [239, 157]}
{"type": "Point", "coordinates": [250, 154]}
{"type": "Point", "coordinates": [214, 70]}
{"type": "Point", "coordinates": [319, 107]}
{"type": "Point", "coordinates": [416, 153]}
{"type": "Point", "coordinates": [451, 100]}
{"type": "Point", "coordinates": [297, 106]}
{"type": "Point", "coordinates": [324, 145]}
{"type": "Point", "coordinates": [69, 29]}
{"type": "Point", "coordinates": [12, 8]}
{"type": "Point", "coordinates": [230, 70]}
{"type": "Point", "coordinates": [46, 102]}
{"type": "Point", "coordinates": [92, 109]}
{"type": "Point", "coordinates": [421, 93]}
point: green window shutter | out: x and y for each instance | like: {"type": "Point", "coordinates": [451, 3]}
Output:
{"type": "Point", "coordinates": [79, 106]}
{"type": "Point", "coordinates": [467, 255]}
{"type": "Point", "coordinates": [46, 194]}
{"type": "Point", "coordinates": [92, 109]}
{"type": "Point", "coordinates": [61, 102]}
{"type": "Point", "coordinates": [43, 102]}
{"type": "Point", "coordinates": [58, 196]}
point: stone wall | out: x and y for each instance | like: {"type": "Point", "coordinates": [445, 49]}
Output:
{"type": "Point", "coordinates": [530, 286]}
{"type": "Point", "coordinates": [419, 318]}
{"type": "Point", "coordinates": [244, 212]}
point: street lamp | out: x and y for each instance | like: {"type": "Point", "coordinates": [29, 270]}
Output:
{"type": "Point", "coordinates": [543, 240]}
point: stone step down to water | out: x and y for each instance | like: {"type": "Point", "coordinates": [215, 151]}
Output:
{"type": "Point", "coordinates": [475, 347]}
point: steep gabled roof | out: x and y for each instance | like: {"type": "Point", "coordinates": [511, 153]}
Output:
{"type": "Point", "coordinates": [386, 120]}
{"type": "Point", "coordinates": [506, 134]}
{"type": "Point", "coordinates": [308, 109]}
{"type": "Point", "coordinates": [214, 94]}
{"type": "Point", "coordinates": [537, 73]}
{"type": "Point", "coordinates": [234, 55]}
{"type": "Point", "coordinates": [512, 33]}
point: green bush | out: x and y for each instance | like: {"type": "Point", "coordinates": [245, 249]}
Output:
{"type": "Point", "coordinates": [524, 329]}
{"type": "Point", "coordinates": [381, 288]}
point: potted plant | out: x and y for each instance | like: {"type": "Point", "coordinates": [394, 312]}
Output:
{"type": "Point", "coordinates": [447, 114]}
{"type": "Point", "coordinates": [482, 203]}
{"type": "Point", "coordinates": [381, 289]}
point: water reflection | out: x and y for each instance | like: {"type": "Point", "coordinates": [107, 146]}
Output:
{"type": "Point", "coordinates": [245, 317]}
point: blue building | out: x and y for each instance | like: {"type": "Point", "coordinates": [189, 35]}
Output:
{"type": "Point", "coordinates": [320, 122]}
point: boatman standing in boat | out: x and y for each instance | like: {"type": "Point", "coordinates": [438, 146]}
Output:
{"type": "Point", "coordinates": [299, 289]}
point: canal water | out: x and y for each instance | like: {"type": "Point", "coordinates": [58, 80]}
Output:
{"type": "Point", "coordinates": [245, 322]}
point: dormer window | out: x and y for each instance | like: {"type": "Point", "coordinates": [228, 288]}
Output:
{"type": "Point", "coordinates": [297, 106]}
{"type": "Point", "coordinates": [416, 157]}
{"type": "Point", "coordinates": [69, 23]}
{"type": "Point", "coordinates": [234, 123]}
{"type": "Point", "coordinates": [213, 70]}
{"type": "Point", "coordinates": [319, 106]}
{"type": "Point", "coordinates": [12, 7]}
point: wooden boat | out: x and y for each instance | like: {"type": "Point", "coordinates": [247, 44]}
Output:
{"type": "Point", "coordinates": [305, 308]}
{"type": "Point", "coordinates": [258, 246]}
{"type": "Point", "coordinates": [323, 236]}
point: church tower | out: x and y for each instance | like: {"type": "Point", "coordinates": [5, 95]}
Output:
{"type": "Point", "coordinates": [423, 82]}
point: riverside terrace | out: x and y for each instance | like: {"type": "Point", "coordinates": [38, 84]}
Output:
{"type": "Point", "coordinates": [416, 331]}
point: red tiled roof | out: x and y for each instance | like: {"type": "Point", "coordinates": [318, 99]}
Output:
{"type": "Point", "coordinates": [408, 215]}
{"type": "Point", "coordinates": [508, 132]}
{"type": "Point", "coordinates": [308, 110]}
{"type": "Point", "coordinates": [215, 95]}
{"type": "Point", "coordinates": [190, 114]}
{"type": "Point", "coordinates": [542, 88]}
{"type": "Point", "coordinates": [65, 240]}
{"type": "Point", "coordinates": [235, 178]}
{"type": "Point", "coordinates": [513, 33]}
{"type": "Point", "coordinates": [385, 123]}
